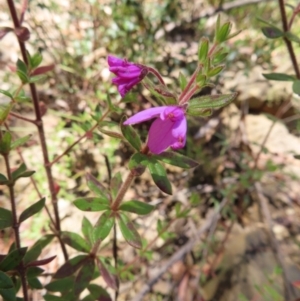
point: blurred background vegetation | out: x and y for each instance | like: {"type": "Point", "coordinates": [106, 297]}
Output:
{"type": "Point", "coordinates": [230, 145]}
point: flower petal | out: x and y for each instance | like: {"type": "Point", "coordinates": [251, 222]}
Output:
{"type": "Point", "coordinates": [114, 61]}
{"type": "Point", "coordinates": [179, 133]}
{"type": "Point", "coordinates": [145, 115]}
{"type": "Point", "coordinates": [160, 135]}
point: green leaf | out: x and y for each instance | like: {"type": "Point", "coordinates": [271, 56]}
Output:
{"type": "Point", "coordinates": [35, 60]}
{"type": "Point", "coordinates": [129, 232]}
{"type": "Point", "coordinates": [292, 37]}
{"type": "Point", "coordinates": [211, 101]}
{"type": "Point", "coordinates": [99, 293]}
{"type": "Point", "coordinates": [215, 71]}
{"type": "Point", "coordinates": [115, 184]}
{"type": "Point", "coordinates": [35, 251]}
{"type": "Point", "coordinates": [159, 176]}
{"type": "Point", "coordinates": [199, 112]}
{"type": "Point", "coordinates": [272, 32]}
{"type": "Point", "coordinates": [5, 143]}
{"type": "Point", "coordinates": [37, 78]}
{"type": "Point", "coordinates": [33, 209]}
{"type": "Point", "coordinates": [71, 266]}
{"type": "Point", "coordinates": [103, 225]}
{"type": "Point", "coordinates": [5, 224]}
{"type": "Point", "coordinates": [84, 276]}
{"type": "Point", "coordinates": [20, 142]}
{"type": "Point", "coordinates": [6, 93]}
{"type": "Point", "coordinates": [6, 215]}
{"type": "Point", "coordinates": [60, 285]}
{"type": "Point", "coordinates": [75, 241]}
{"type": "Point", "coordinates": [131, 135]}
{"type": "Point", "coordinates": [21, 172]}
{"type": "Point", "coordinates": [176, 159]}
{"type": "Point", "coordinates": [5, 108]}
{"type": "Point", "coordinates": [223, 32]}
{"type": "Point", "coordinates": [49, 297]}
{"type": "Point", "coordinates": [7, 289]}
{"type": "Point", "coordinates": [22, 71]}
{"type": "Point", "coordinates": [203, 50]}
{"type": "Point", "coordinates": [3, 180]}
{"type": "Point", "coordinates": [35, 283]}
{"type": "Point", "coordinates": [107, 276]}
{"type": "Point", "coordinates": [12, 260]}
{"type": "Point", "coordinates": [182, 81]}
{"type": "Point", "coordinates": [92, 204]}
{"type": "Point", "coordinates": [219, 58]}
{"type": "Point", "coordinates": [137, 207]}
{"type": "Point", "coordinates": [97, 187]}
{"type": "Point", "coordinates": [33, 272]}
{"type": "Point", "coordinates": [201, 79]}
{"type": "Point", "coordinates": [296, 86]}
{"type": "Point", "coordinates": [87, 230]}
{"type": "Point", "coordinates": [138, 163]}
{"type": "Point", "coordinates": [279, 76]}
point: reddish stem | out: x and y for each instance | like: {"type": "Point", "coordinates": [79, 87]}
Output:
{"type": "Point", "coordinates": [156, 74]}
{"type": "Point", "coordinates": [41, 132]}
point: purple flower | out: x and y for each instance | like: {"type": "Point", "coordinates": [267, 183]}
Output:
{"type": "Point", "coordinates": [168, 130]}
{"type": "Point", "coordinates": [127, 74]}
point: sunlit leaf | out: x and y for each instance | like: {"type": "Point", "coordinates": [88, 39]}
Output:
{"type": "Point", "coordinates": [92, 204]}
{"type": "Point", "coordinates": [103, 226]}
{"type": "Point", "coordinates": [75, 241]}
{"type": "Point", "coordinates": [131, 135]}
{"type": "Point", "coordinates": [115, 184]}
{"type": "Point", "coordinates": [136, 207]}
{"type": "Point", "coordinates": [176, 159]}
{"type": "Point", "coordinates": [33, 209]}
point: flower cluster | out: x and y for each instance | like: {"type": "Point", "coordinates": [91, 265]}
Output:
{"type": "Point", "coordinates": [170, 126]}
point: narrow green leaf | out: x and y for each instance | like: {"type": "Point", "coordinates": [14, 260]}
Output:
{"type": "Point", "coordinates": [21, 172]}
{"type": "Point", "coordinates": [199, 112]}
{"type": "Point", "coordinates": [33, 272]}
{"type": "Point", "coordinates": [5, 224]}
{"type": "Point", "coordinates": [84, 276]}
{"type": "Point", "coordinates": [5, 143]}
{"type": "Point", "coordinates": [6, 214]}
{"type": "Point", "coordinates": [223, 33]}
{"type": "Point", "coordinates": [5, 108]}
{"type": "Point", "coordinates": [279, 76]}
{"type": "Point", "coordinates": [296, 86]}
{"type": "Point", "coordinates": [215, 71]}
{"type": "Point", "coordinates": [159, 176]}
{"type": "Point", "coordinates": [87, 230]}
{"type": "Point", "coordinates": [35, 251]}
{"type": "Point", "coordinates": [7, 289]}
{"type": "Point", "coordinates": [99, 293]}
{"type": "Point", "coordinates": [12, 260]}
{"type": "Point", "coordinates": [37, 78]}
{"type": "Point", "coordinates": [137, 207]}
{"type": "Point", "coordinates": [115, 184]}
{"type": "Point", "coordinates": [219, 58]}
{"type": "Point", "coordinates": [22, 66]}
{"type": "Point", "coordinates": [75, 241]}
{"type": "Point", "coordinates": [20, 142]}
{"type": "Point", "coordinates": [103, 226]}
{"type": "Point", "coordinates": [49, 297]}
{"type": "Point", "coordinates": [35, 60]}
{"type": "Point", "coordinates": [35, 283]}
{"type": "Point", "coordinates": [203, 50]}
{"type": "Point", "coordinates": [138, 163]}
{"type": "Point", "coordinates": [92, 204]}
{"type": "Point", "coordinates": [3, 180]}
{"type": "Point", "coordinates": [292, 37]}
{"type": "Point", "coordinates": [201, 79]}
{"type": "Point", "coordinates": [176, 159]}
{"type": "Point", "coordinates": [211, 101]}
{"type": "Point", "coordinates": [182, 81]}
{"type": "Point", "coordinates": [272, 32]}
{"type": "Point", "coordinates": [97, 187]}
{"type": "Point", "coordinates": [107, 276]}
{"type": "Point", "coordinates": [71, 266]}
{"type": "Point", "coordinates": [33, 209]}
{"type": "Point", "coordinates": [60, 285]}
{"type": "Point", "coordinates": [131, 135]}
{"type": "Point", "coordinates": [129, 231]}
{"type": "Point", "coordinates": [6, 93]}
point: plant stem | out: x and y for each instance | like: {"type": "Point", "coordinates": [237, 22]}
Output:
{"type": "Point", "coordinates": [190, 83]}
{"type": "Point", "coordinates": [156, 74]}
{"type": "Point", "coordinates": [286, 40]}
{"type": "Point", "coordinates": [122, 191]}
{"type": "Point", "coordinates": [15, 226]}
{"type": "Point", "coordinates": [41, 132]}
{"type": "Point", "coordinates": [22, 118]}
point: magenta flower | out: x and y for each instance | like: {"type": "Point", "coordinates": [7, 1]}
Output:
{"type": "Point", "coordinates": [127, 74]}
{"type": "Point", "coordinates": [168, 130]}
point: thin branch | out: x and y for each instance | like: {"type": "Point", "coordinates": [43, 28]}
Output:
{"type": "Point", "coordinates": [180, 253]}
{"type": "Point", "coordinates": [41, 131]}
{"type": "Point", "coordinates": [286, 40]}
